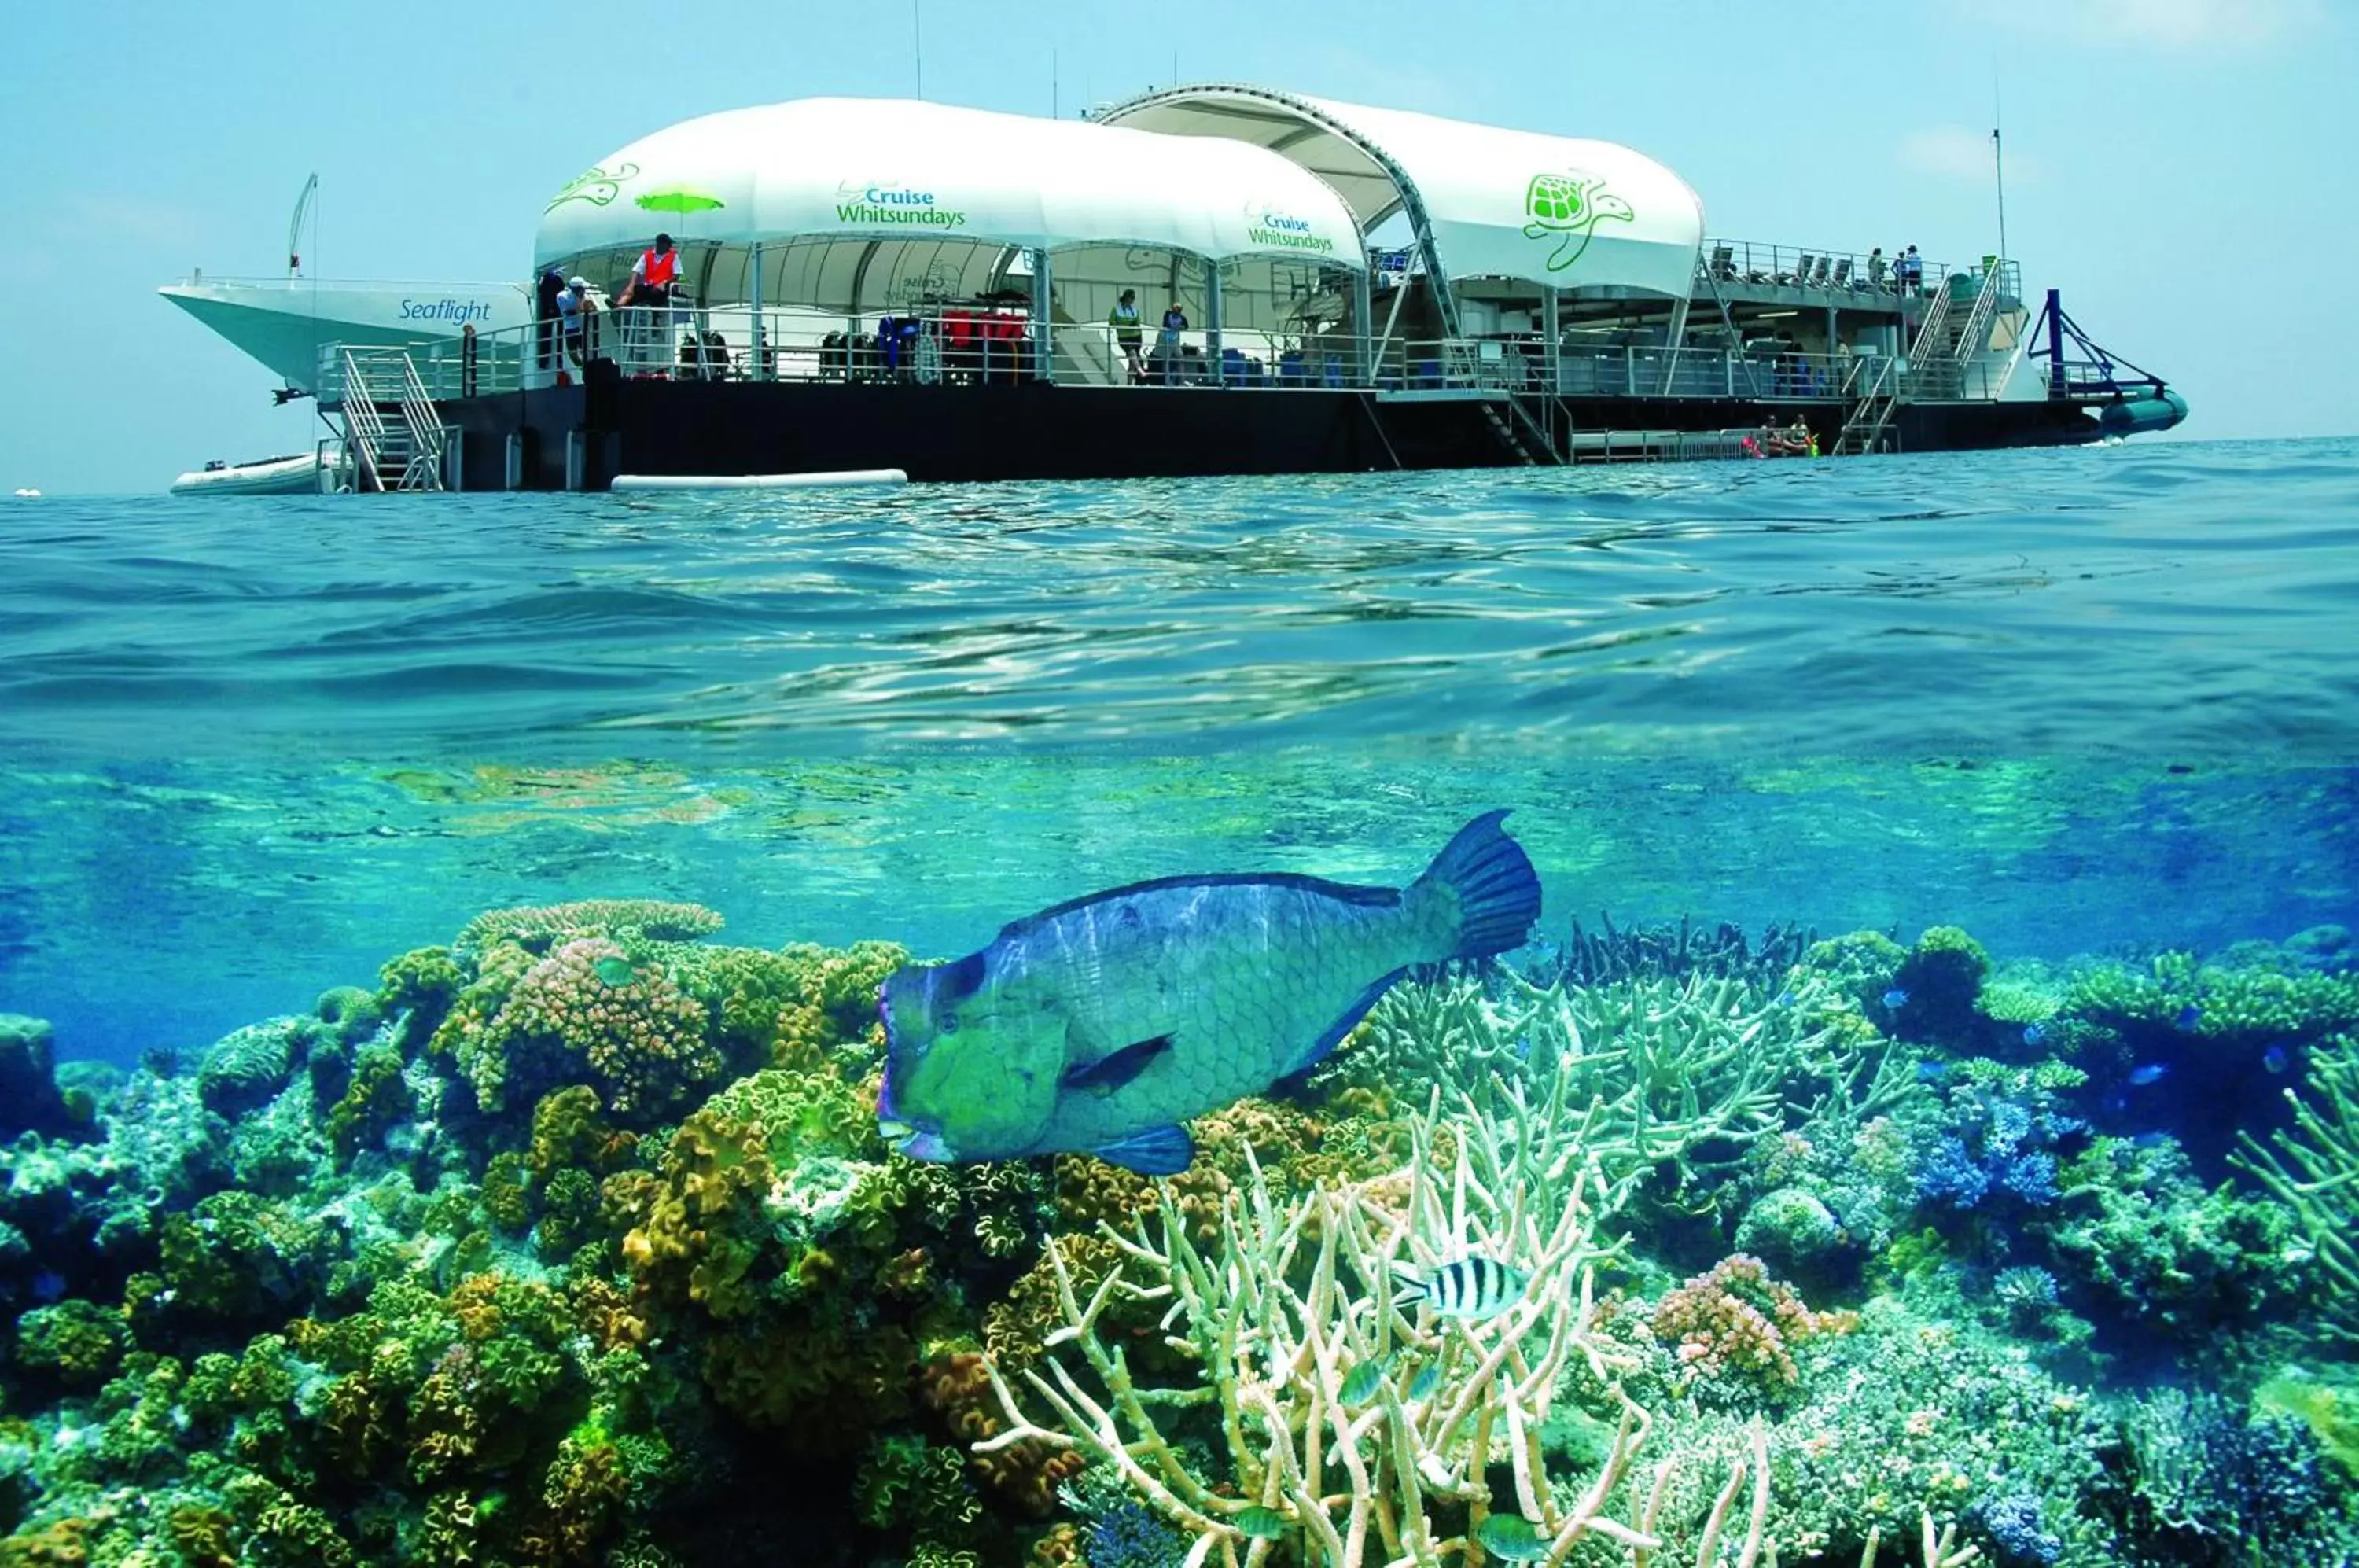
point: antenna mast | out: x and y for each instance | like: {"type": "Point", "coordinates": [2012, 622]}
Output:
{"type": "Point", "coordinates": [918, 41]}
{"type": "Point", "coordinates": [1998, 160]}
{"type": "Point", "coordinates": [295, 227]}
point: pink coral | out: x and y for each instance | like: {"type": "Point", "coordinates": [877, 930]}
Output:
{"type": "Point", "coordinates": [1738, 1319]}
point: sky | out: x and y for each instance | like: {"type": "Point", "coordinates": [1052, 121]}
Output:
{"type": "Point", "coordinates": [2183, 170]}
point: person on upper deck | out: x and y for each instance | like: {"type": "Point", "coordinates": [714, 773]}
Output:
{"type": "Point", "coordinates": [1123, 320]}
{"type": "Point", "coordinates": [1875, 268]}
{"type": "Point", "coordinates": [574, 312]}
{"type": "Point", "coordinates": [1167, 342]}
{"type": "Point", "coordinates": [545, 292]}
{"type": "Point", "coordinates": [653, 277]}
{"type": "Point", "coordinates": [1911, 269]}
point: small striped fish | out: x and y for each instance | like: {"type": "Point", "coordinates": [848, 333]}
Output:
{"type": "Point", "coordinates": [1472, 1288]}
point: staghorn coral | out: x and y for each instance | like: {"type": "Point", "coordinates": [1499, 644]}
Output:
{"type": "Point", "coordinates": [1017, 1327]}
{"type": "Point", "coordinates": [1674, 952]}
{"type": "Point", "coordinates": [1271, 1321]}
{"type": "Point", "coordinates": [2313, 1168]}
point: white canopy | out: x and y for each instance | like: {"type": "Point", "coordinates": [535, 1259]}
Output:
{"type": "Point", "coordinates": [892, 169]}
{"type": "Point", "coordinates": [1498, 203]}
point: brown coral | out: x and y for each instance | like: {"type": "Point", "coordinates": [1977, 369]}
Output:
{"type": "Point", "coordinates": [955, 1386]}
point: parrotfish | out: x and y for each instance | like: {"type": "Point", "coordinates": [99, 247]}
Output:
{"type": "Point", "coordinates": [1099, 1025]}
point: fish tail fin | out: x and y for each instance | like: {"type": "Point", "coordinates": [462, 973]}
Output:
{"type": "Point", "coordinates": [1491, 880]}
{"type": "Point", "coordinates": [1409, 1286]}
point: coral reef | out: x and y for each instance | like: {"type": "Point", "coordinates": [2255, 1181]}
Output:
{"type": "Point", "coordinates": [573, 1243]}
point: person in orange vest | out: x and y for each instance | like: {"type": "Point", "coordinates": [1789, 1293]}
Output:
{"type": "Point", "coordinates": [653, 277]}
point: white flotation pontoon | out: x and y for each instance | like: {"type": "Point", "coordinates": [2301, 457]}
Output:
{"type": "Point", "coordinates": [295, 475]}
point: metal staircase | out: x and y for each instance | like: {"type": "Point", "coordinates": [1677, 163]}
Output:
{"type": "Point", "coordinates": [1522, 435]}
{"type": "Point", "coordinates": [1946, 339]}
{"type": "Point", "coordinates": [1949, 337]}
{"type": "Point", "coordinates": [1878, 396]}
{"type": "Point", "coordinates": [401, 452]}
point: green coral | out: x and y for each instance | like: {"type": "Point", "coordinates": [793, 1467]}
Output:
{"type": "Point", "coordinates": [1917, 1410]}
{"type": "Point", "coordinates": [1861, 964]}
{"type": "Point", "coordinates": [2329, 1406]}
{"type": "Point", "coordinates": [2150, 1245]}
{"type": "Point", "coordinates": [1790, 1228]}
{"type": "Point", "coordinates": [2249, 1005]}
{"type": "Point", "coordinates": [377, 1099]}
{"type": "Point", "coordinates": [507, 1191]}
{"type": "Point", "coordinates": [78, 1343]}
{"type": "Point", "coordinates": [2015, 1001]}
{"type": "Point", "coordinates": [906, 1482]}
{"type": "Point", "coordinates": [238, 1257]}
{"type": "Point", "coordinates": [246, 1067]}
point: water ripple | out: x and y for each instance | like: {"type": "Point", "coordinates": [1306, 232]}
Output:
{"type": "Point", "coordinates": [2143, 598]}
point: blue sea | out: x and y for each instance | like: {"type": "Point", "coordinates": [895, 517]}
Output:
{"type": "Point", "coordinates": [2028, 781]}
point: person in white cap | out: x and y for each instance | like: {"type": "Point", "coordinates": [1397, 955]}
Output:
{"type": "Point", "coordinates": [575, 309]}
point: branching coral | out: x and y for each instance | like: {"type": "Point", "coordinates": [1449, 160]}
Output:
{"type": "Point", "coordinates": [1664, 1068]}
{"type": "Point", "coordinates": [2313, 1168]}
{"type": "Point", "coordinates": [1291, 1300]}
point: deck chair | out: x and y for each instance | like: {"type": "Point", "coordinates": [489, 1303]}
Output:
{"type": "Point", "coordinates": [1800, 276]}
{"type": "Point", "coordinates": [1723, 263]}
{"type": "Point", "coordinates": [1826, 265]}
{"type": "Point", "coordinates": [1843, 274]}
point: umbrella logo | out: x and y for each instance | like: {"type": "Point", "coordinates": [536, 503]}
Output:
{"type": "Point", "coordinates": [593, 185]}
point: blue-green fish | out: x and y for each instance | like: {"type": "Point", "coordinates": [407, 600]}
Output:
{"type": "Point", "coordinates": [1101, 1025]}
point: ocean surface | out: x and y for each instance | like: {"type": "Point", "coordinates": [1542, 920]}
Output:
{"type": "Point", "coordinates": [252, 747]}
{"type": "Point", "coordinates": [2092, 706]}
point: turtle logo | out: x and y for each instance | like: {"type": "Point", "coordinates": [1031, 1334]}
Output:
{"type": "Point", "coordinates": [593, 185]}
{"type": "Point", "coordinates": [1569, 206]}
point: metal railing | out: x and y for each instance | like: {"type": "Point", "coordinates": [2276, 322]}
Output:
{"type": "Point", "coordinates": [985, 346]}
{"type": "Point", "coordinates": [1835, 274]}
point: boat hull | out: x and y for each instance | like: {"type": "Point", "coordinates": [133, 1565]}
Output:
{"type": "Point", "coordinates": [1037, 431]}
{"type": "Point", "coordinates": [286, 324]}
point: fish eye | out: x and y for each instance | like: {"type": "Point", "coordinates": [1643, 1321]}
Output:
{"type": "Point", "coordinates": [947, 1023]}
